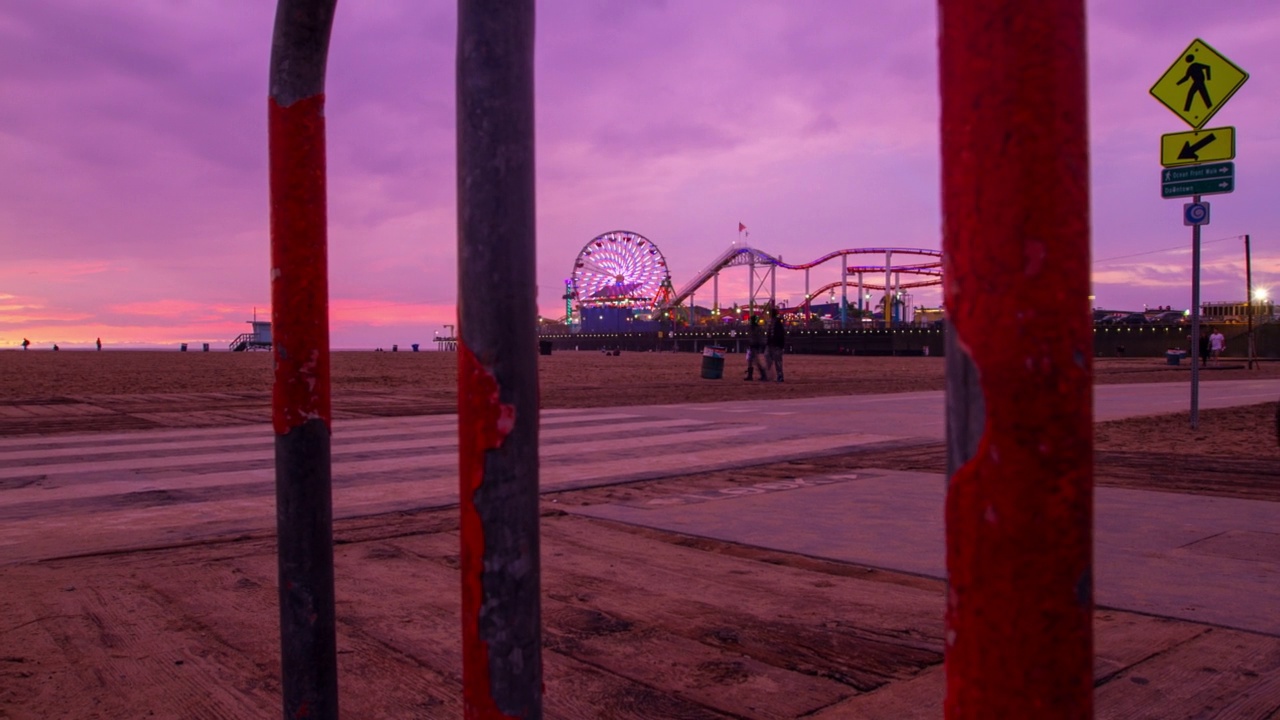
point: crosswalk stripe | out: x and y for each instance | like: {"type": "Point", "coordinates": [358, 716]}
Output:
{"type": "Point", "coordinates": [260, 448]}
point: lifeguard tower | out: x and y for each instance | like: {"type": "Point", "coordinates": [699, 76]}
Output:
{"type": "Point", "coordinates": [259, 339]}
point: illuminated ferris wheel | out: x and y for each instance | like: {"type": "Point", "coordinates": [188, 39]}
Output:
{"type": "Point", "coordinates": [619, 268]}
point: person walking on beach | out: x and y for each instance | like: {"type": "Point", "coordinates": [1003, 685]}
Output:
{"type": "Point", "coordinates": [1217, 344]}
{"type": "Point", "coordinates": [25, 343]}
{"type": "Point", "coordinates": [1204, 347]}
{"type": "Point", "coordinates": [776, 343]}
{"type": "Point", "coordinates": [99, 344]}
{"type": "Point", "coordinates": [755, 348]}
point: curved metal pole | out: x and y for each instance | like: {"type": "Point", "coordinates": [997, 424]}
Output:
{"type": "Point", "coordinates": [1019, 511]}
{"type": "Point", "coordinates": [300, 334]}
{"type": "Point", "coordinates": [498, 362]}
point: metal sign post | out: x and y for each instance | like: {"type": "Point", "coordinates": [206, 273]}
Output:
{"type": "Point", "coordinates": [1195, 87]}
{"type": "Point", "coordinates": [1195, 322]}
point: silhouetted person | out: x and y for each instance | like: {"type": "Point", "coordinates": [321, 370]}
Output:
{"type": "Point", "coordinates": [1197, 73]}
{"type": "Point", "coordinates": [55, 347]}
{"type": "Point", "coordinates": [99, 344]}
{"type": "Point", "coordinates": [755, 348]}
{"type": "Point", "coordinates": [25, 343]}
{"type": "Point", "coordinates": [776, 343]}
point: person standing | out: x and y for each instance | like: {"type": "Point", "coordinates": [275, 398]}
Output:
{"type": "Point", "coordinates": [1204, 347]}
{"type": "Point", "coordinates": [1217, 344]}
{"type": "Point", "coordinates": [755, 348]}
{"type": "Point", "coordinates": [25, 343]}
{"type": "Point", "coordinates": [776, 343]}
{"type": "Point", "coordinates": [99, 344]}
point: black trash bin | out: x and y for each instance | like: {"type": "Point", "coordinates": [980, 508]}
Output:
{"type": "Point", "coordinates": [712, 362]}
{"type": "Point", "coordinates": [544, 347]}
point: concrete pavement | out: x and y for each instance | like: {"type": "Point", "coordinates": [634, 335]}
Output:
{"type": "Point", "coordinates": [1206, 559]}
{"type": "Point", "coordinates": [1201, 558]}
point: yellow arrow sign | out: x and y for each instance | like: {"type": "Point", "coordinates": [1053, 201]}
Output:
{"type": "Point", "coordinates": [1198, 146]}
{"type": "Point", "coordinates": [1198, 83]}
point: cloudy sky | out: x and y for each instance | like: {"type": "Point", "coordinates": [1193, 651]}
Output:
{"type": "Point", "coordinates": [134, 207]}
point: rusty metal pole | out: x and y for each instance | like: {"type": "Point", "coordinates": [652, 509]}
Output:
{"type": "Point", "coordinates": [1019, 403]}
{"type": "Point", "coordinates": [497, 361]}
{"type": "Point", "coordinates": [300, 333]}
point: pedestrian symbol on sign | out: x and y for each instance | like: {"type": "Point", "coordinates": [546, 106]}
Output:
{"type": "Point", "coordinates": [1198, 74]}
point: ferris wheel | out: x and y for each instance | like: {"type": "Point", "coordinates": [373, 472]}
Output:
{"type": "Point", "coordinates": [619, 268]}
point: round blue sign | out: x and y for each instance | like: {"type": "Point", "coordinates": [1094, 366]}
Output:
{"type": "Point", "coordinates": [1196, 213]}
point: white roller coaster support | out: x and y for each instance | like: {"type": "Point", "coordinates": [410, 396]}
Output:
{"type": "Point", "coordinates": [844, 290]}
{"type": "Point", "coordinates": [751, 284]}
{"type": "Point", "coordinates": [806, 294]}
{"type": "Point", "coordinates": [860, 292]}
{"type": "Point", "coordinates": [888, 300]}
{"type": "Point", "coordinates": [773, 283]}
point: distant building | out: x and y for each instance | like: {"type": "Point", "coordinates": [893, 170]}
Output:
{"type": "Point", "coordinates": [259, 339]}
{"type": "Point", "coordinates": [1229, 312]}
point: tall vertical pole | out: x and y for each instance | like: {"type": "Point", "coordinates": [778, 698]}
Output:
{"type": "Point", "coordinates": [773, 283]}
{"type": "Point", "coordinates": [497, 361]}
{"type": "Point", "coordinates": [861, 299]}
{"type": "Point", "coordinates": [1248, 297]}
{"type": "Point", "coordinates": [806, 295]}
{"type": "Point", "coordinates": [888, 287]}
{"type": "Point", "coordinates": [300, 400]}
{"type": "Point", "coordinates": [844, 290]}
{"type": "Point", "coordinates": [1015, 170]}
{"type": "Point", "coordinates": [1195, 323]}
{"type": "Point", "coordinates": [715, 294]}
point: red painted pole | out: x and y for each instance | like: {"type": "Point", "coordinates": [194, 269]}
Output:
{"type": "Point", "coordinates": [1016, 251]}
{"type": "Point", "coordinates": [300, 335]}
{"type": "Point", "coordinates": [497, 362]}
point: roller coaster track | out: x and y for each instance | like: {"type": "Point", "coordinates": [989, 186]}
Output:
{"type": "Point", "coordinates": [737, 255]}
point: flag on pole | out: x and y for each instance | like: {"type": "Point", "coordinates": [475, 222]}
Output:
{"type": "Point", "coordinates": [741, 227]}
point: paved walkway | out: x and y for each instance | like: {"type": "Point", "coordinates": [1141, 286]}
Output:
{"type": "Point", "coordinates": [1206, 559]}
{"type": "Point", "coordinates": [70, 494]}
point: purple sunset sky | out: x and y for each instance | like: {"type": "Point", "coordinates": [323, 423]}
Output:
{"type": "Point", "coordinates": [133, 203]}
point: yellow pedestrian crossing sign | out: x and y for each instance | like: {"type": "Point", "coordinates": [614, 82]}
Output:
{"type": "Point", "coordinates": [1198, 83]}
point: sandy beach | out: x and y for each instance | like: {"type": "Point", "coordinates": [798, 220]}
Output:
{"type": "Point", "coordinates": [639, 623]}
{"type": "Point", "coordinates": [221, 388]}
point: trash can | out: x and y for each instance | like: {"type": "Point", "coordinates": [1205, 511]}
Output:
{"type": "Point", "coordinates": [183, 348]}
{"type": "Point", "coordinates": [415, 347]}
{"type": "Point", "coordinates": [206, 347]}
{"type": "Point", "coordinates": [544, 347]}
{"type": "Point", "coordinates": [712, 362]}
{"type": "Point", "coordinates": [1174, 357]}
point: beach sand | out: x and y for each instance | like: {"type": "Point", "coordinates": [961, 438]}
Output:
{"type": "Point", "coordinates": [638, 623]}
{"type": "Point", "coordinates": [110, 390]}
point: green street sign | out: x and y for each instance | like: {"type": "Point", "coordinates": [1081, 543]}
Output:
{"type": "Point", "coordinates": [1198, 172]}
{"type": "Point", "coordinates": [1198, 187]}
{"type": "Point", "coordinates": [1210, 179]}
